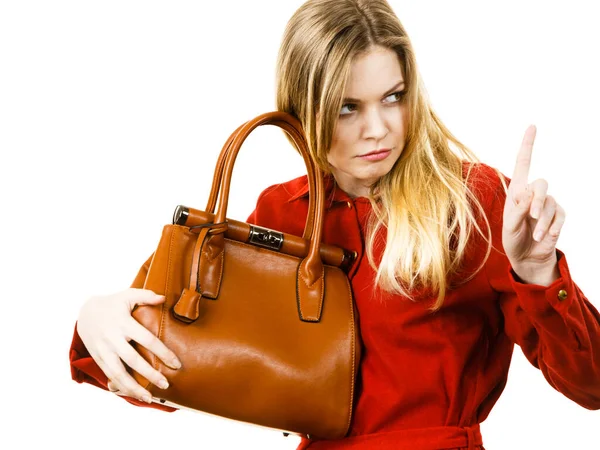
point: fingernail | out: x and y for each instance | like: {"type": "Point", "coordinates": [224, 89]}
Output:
{"type": "Point", "coordinates": [538, 236]}
{"type": "Point", "coordinates": [535, 213]}
{"type": "Point", "coordinates": [175, 364]}
{"type": "Point", "coordinates": [163, 384]}
{"type": "Point", "coordinates": [147, 399]}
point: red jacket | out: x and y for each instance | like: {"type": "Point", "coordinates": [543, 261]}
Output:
{"type": "Point", "coordinates": [428, 380]}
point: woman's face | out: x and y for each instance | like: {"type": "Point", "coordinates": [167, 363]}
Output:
{"type": "Point", "coordinates": [373, 117]}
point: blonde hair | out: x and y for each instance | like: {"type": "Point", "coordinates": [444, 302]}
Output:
{"type": "Point", "coordinates": [423, 200]}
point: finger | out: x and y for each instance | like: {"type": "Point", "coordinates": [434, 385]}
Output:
{"type": "Point", "coordinates": [545, 219]}
{"type": "Point", "coordinates": [114, 370]}
{"type": "Point", "coordinates": [136, 296]}
{"type": "Point", "coordinates": [134, 360]}
{"type": "Point", "coordinates": [124, 382]}
{"type": "Point", "coordinates": [97, 357]}
{"type": "Point", "coordinates": [516, 214]}
{"type": "Point", "coordinates": [540, 190]}
{"type": "Point", "coordinates": [521, 172]}
{"type": "Point", "coordinates": [148, 340]}
{"type": "Point", "coordinates": [113, 386]}
{"type": "Point", "coordinates": [558, 222]}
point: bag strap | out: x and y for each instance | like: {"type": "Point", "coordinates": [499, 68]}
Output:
{"type": "Point", "coordinates": [210, 245]}
{"type": "Point", "coordinates": [212, 199]}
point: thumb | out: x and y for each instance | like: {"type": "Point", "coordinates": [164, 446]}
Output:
{"type": "Point", "coordinates": [144, 297]}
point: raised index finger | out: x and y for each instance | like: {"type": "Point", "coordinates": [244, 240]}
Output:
{"type": "Point", "coordinates": [521, 172]}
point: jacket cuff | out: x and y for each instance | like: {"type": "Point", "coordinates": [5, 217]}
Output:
{"type": "Point", "coordinates": [539, 300]}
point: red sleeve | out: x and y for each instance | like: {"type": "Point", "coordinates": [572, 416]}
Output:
{"type": "Point", "coordinates": [560, 335]}
{"type": "Point", "coordinates": [85, 370]}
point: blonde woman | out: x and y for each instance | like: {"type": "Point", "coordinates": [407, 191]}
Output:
{"type": "Point", "coordinates": [454, 262]}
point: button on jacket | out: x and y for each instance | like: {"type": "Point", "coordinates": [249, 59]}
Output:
{"type": "Point", "coordinates": [427, 380]}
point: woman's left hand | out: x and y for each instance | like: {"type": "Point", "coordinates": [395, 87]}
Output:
{"type": "Point", "coordinates": [528, 210]}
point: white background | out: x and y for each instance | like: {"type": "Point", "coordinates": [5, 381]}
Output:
{"type": "Point", "coordinates": [114, 112]}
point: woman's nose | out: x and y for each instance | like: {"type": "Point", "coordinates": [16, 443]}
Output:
{"type": "Point", "coordinates": [375, 126]}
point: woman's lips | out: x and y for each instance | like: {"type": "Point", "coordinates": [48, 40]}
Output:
{"type": "Point", "coordinates": [376, 156]}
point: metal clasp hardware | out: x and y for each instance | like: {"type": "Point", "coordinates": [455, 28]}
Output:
{"type": "Point", "coordinates": [265, 237]}
{"type": "Point", "coordinates": [181, 215]}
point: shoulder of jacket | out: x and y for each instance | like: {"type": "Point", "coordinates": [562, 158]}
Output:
{"type": "Point", "coordinates": [283, 192]}
{"type": "Point", "coordinates": [483, 179]}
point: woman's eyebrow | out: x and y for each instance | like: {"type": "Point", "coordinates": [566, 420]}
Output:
{"type": "Point", "coordinates": [389, 91]}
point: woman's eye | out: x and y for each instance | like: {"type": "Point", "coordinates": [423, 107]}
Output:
{"type": "Point", "coordinates": [398, 95]}
{"type": "Point", "coordinates": [347, 105]}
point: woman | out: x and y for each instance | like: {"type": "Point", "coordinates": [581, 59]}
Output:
{"type": "Point", "coordinates": [449, 271]}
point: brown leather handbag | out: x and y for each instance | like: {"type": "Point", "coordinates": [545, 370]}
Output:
{"type": "Point", "coordinates": [263, 322]}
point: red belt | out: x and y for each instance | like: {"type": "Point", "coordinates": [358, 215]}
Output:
{"type": "Point", "coordinates": [432, 438]}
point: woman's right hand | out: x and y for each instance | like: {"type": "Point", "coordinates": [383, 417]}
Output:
{"type": "Point", "coordinates": [106, 326]}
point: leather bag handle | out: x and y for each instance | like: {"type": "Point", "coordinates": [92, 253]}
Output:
{"type": "Point", "coordinates": [207, 265]}
{"type": "Point", "coordinates": [310, 271]}
{"type": "Point", "coordinates": [214, 190]}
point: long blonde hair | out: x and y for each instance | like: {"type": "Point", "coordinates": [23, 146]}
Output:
{"type": "Point", "coordinates": [423, 200]}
